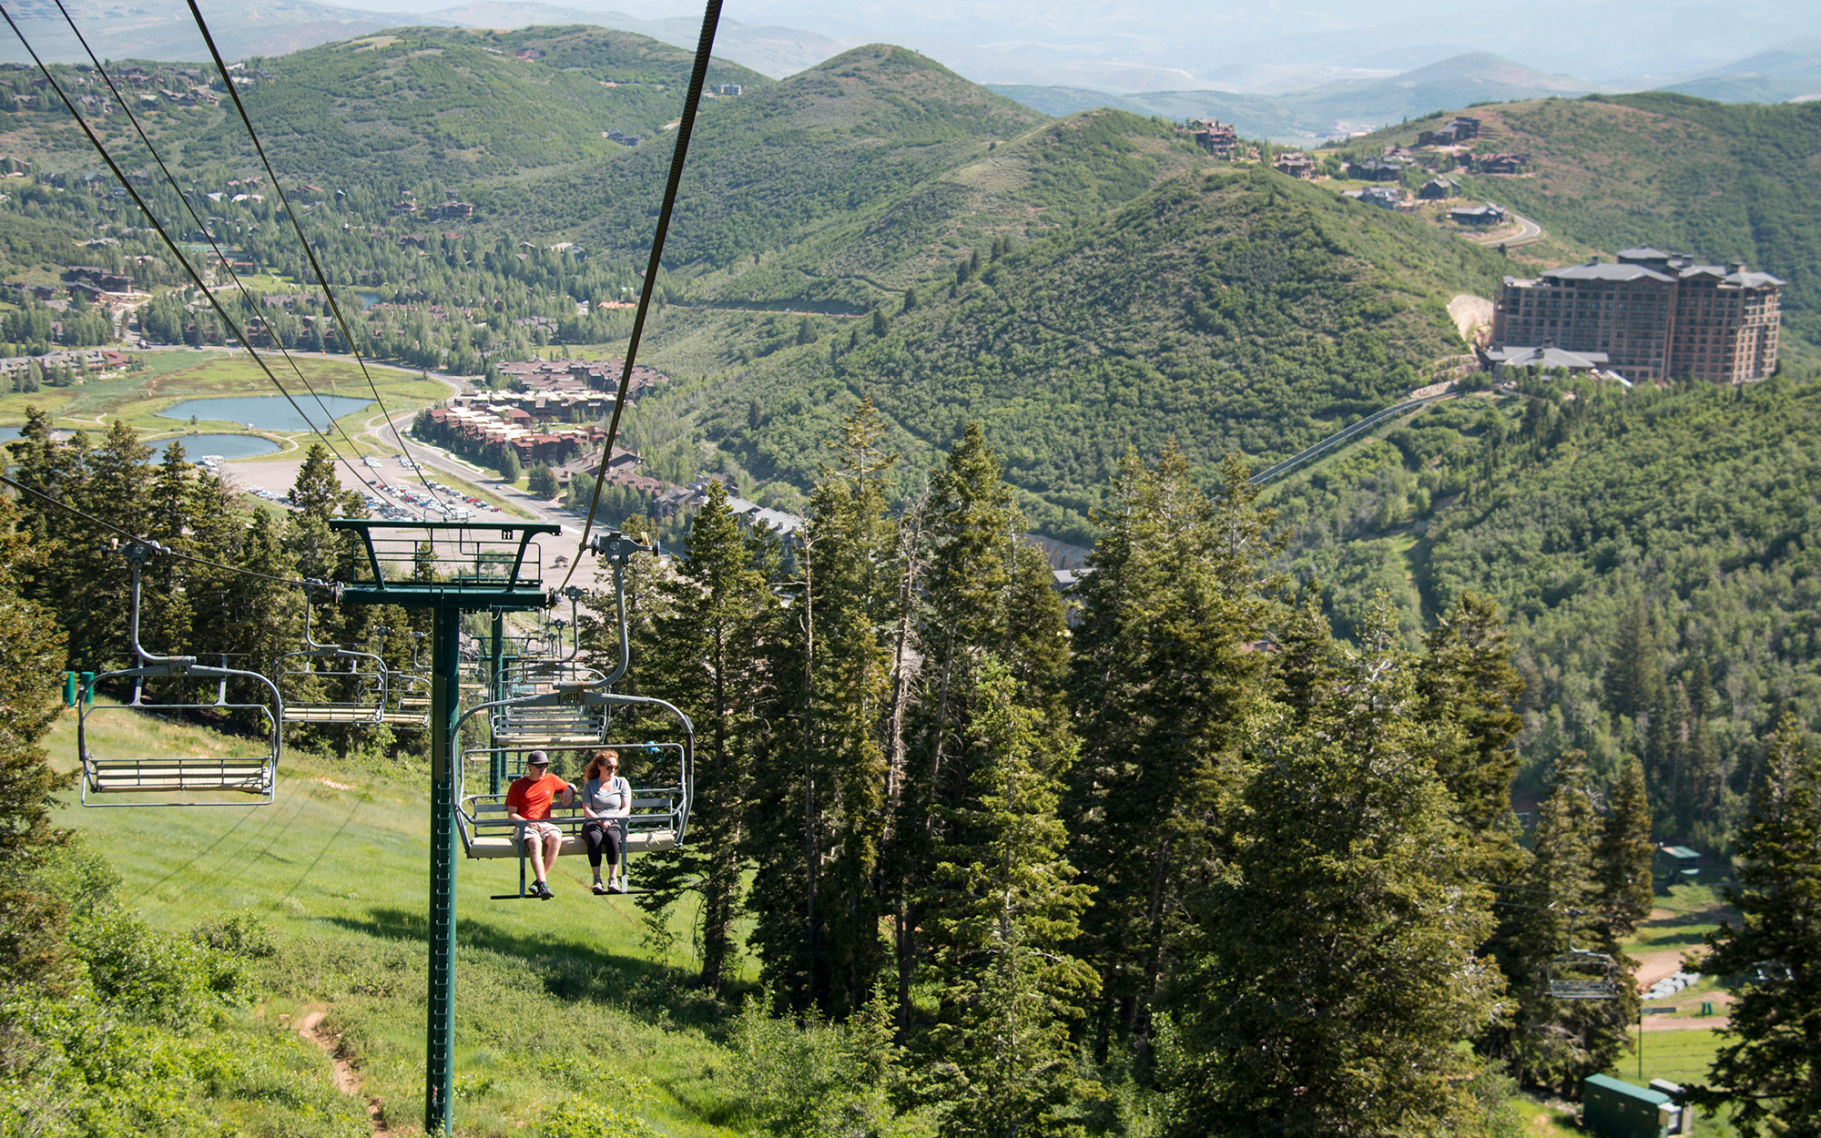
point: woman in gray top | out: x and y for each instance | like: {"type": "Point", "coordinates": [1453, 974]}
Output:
{"type": "Point", "coordinates": [607, 802]}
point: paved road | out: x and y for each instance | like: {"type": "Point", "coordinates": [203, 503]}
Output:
{"type": "Point", "coordinates": [1529, 232]}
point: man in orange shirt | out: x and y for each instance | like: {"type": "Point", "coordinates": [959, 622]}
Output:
{"type": "Point", "coordinates": [528, 802]}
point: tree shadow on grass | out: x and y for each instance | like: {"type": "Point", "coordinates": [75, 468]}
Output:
{"type": "Point", "coordinates": [655, 993]}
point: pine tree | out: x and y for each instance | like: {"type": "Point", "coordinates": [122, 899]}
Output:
{"type": "Point", "coordinates": [1622, 861]}
{"type": "Point", "coordinates": [1768, 1070]}
{"type": "Point", "coordinates": [983, 596]}
{"type": "Point", "coordinates": [1556, 907]}
{"type": "Point", "coordinates": [705, 657]}
{"type": "Point", "coordinates": [1164, 677]}
{"type": "Point", "coordinates": [1000, 912]}
{"type": "Point", "coordinates": [31, 655]}
{"type": "Point", "coordinates": [815, 897]}
{"type": "Point", "coordinates": [1335, 967]}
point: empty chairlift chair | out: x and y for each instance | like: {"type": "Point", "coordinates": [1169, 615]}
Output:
{"type": "Point", "coordinates": [1580, 974]}
{"type": "Point", "coordinates": [237, 767]}
{"type": "Point", "coordinates": [330, 684]}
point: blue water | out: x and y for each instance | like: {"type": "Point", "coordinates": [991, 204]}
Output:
{"type": "Point", "coordinates": [367, 299]}
{"type": "Point", "coordinates": [227, 446]}
{"type": "Point", "coordinates": [8, 434]}
{"type": "Point", "coordinates": [267, 412]}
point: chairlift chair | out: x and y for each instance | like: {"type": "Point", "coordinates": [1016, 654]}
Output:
{"type": "Point", "coordinates": [179, 686]}
{"type": "Point", "coordinates": [361, 678]}
{"type": "Point", "coordinates": [408, 691]}
{"type": "Point", "coordinates": [1582, 974]}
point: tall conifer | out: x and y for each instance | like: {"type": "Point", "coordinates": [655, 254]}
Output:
{"type": "Point", "coordinates": [816, 895]}
{"type": "Point", "coordinates": [1336, 963]}
{"type": "Point", "coordinates": [1000, 912]}
{"type": "Point", "coordinates": [704, 656]}
{"type": "Point", "coordinates": [1164, 676]}
{"type": "Point", "coordinates": [1769, 1068]}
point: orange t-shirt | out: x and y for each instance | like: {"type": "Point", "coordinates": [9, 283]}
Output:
{"type": "Point", "coordinates": [531, 797]}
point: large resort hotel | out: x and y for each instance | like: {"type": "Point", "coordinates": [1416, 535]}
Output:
{"type": "Point", "coordinates": [1655, 316]}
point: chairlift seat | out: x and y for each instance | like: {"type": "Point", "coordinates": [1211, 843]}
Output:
{"type": "Point", "coordinates": [137, 779]}
{"type": "Point", "coordinates": [250, 776]}
{"type": "Point", "coordinates": [487, 831]}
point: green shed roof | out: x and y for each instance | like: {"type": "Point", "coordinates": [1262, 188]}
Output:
{"type": "Point", "coordinates": [1629, 1090]}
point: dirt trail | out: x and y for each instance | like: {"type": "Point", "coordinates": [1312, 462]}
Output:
{"type": "Point", "coordinates": [347, 1080]}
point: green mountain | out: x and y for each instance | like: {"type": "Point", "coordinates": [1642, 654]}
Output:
{"type": "Point", "coordinates": [1236, 309]}
{"type": "Point", "coordinates": [460, 106]}
{"type": "Point", "coordinates": [1652, 550]}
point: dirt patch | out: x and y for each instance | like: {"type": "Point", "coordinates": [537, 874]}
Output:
{"type": "Point", "coordinates": [1470, 313]}
{"type": "Point", "coordinates": [347, 1079]}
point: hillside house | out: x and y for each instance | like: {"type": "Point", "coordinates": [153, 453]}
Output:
{"type": "Point", "coordinates": [1378, 169]}
{"type": "Point", "coordinates": [1436, 189]}
{"type": "Point", "coordinates": [1296, 164]}
{"type": "Point", "coordinates": [1501, 163]}
{"type": "Point", "coordinates": [729, 90]}
{"type": "Point", "coordinates": [1478, 215]}
{"type": "Point", "coordinates": [1455, 131]}
{"type": "Point", "coordinates": [1384, 197]}
{"type": "Point", "coordinates": [1215, 138]}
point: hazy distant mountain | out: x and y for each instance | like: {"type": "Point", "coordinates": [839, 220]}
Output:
{"type": "Point", "coordinates": [1779, 76]}
{"type": "Point", "coordinates": [767, 49]}
{"type": "Point", "coordinates": [157, 29]}
{"type": "Point", "coordinates": [1332, 110]}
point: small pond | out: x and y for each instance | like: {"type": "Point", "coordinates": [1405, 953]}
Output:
{"type": "Point", "coordinates": [268, 412]}
{"type": "Point", "coordinates": [368, 298]}
{"type": "Point", "coordinates": [227, 446]}
{"type": "Point", "coordinates": [8, 434]}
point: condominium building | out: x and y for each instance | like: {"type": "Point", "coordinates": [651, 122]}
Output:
{"type": "Point", "coordinates": [1656, 315]}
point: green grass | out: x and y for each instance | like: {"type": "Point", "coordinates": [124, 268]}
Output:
{"type": "Point", "coordinates": [173, 376]}
{"type": "Point", "coordinates": [554, 1000]}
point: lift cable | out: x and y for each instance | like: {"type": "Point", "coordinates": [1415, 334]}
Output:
{"type": "Point", "coordinates": [698, 75]}
{"type": "Point", "coordinates": [341, 322]}
{"type": "Point", "coordinates": [202, 228]}
{"type": "Point", "coordinates": [164, 235]}
{"type": "Point", "coordinates": [294, 582]}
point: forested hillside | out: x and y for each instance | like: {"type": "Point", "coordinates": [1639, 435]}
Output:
{"type": "Point", "coordinates": [1653, 551]}
{"type": "Point", "coordinates": [1232, 311]}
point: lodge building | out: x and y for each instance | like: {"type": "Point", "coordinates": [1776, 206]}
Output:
{"type": "Point", "coordinates": [1656, 315]}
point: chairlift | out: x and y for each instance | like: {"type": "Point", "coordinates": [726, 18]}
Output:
{"type": "Point", "coordinates": [1581, 974]}
{"type": "Point", "coordinates": [361, 677]}
{"type": "Point", "coordinates": [247, 771]}
{"type": "Point", "coordinates": [569, 722]}
{"type": "Point", "coordinates": [560, 724]}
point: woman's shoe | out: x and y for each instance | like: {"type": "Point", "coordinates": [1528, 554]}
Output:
{"type": "Point", "coordinates": [599, 889]}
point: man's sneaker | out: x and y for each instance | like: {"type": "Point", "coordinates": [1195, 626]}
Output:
{"type": "Point", "coordinates": [543, 891]}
